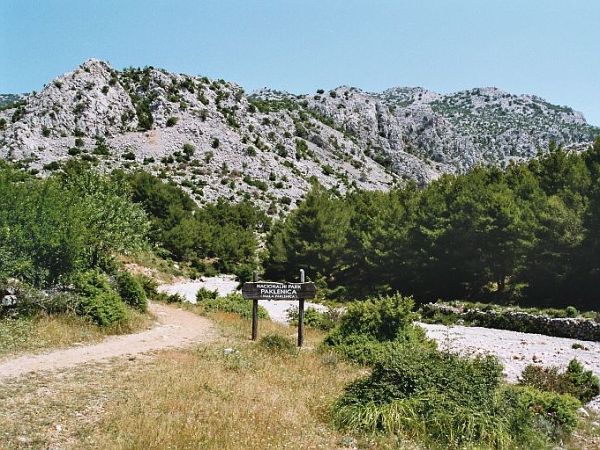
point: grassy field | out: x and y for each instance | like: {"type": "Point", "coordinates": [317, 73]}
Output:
{"type": "Point", "coordinates": [202, 397]}
{"type": "Point", "coordinates": [44, 332]}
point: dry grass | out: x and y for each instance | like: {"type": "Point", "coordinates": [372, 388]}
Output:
{"type": "Point", "coordinates": [44, 332]}
{"type": "Point", "coordinates": [197, 398]}
{"type": "Point", "coordinates": [202, 397]}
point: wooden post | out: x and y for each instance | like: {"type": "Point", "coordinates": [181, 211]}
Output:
{"type": "Point", "coordinates": [254, 311]}
{"type": "Point", "coordinates": [301, 314]}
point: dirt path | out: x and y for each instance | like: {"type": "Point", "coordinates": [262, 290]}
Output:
{"type": "Point", "coordinates": [175, 328]}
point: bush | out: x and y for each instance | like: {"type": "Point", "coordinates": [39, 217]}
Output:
{"type": "Point", "coordinates": [371, 329]}
{"type": "Point", "coordinates": [571, 311]}
{"type": "Point", "coordinates": [131, 291]}
{"type": "Point", "coordinates": [449, 401]}
{"type": "Point", "coordinates": [206, 294]}
{"type": "Point", "coordinates": [189, 149]}
{"type": "Point", "coordinates": [233, 303]}
{"type": "Point", "coordinates": [98, 300]}
{"type": "Point", "coordinates": [533, 412]}
{"type": "Point", "coordinates": [313, 318]}
{"type": "Point", "coordinates": [172, 121]}
{"type": "Point", "coordinates": [382, 319]}
{"type": "Point", "coordinates": [277, 344]}
{"type": "Point", "coordinates": [105, 308]}
{"type": "Point", "coordinates": [149, 285]}
{"type": "Point", "coordinates": [437, 397]}
{"type": "Point", "coordinates": [576, 381]}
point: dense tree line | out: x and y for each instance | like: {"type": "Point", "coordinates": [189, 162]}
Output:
{"type": "Point", "coordinates": [54, 228]}
{"type": "Point", "coordinates": [530, 233]}
{"type": "Point", "coordinates": [218, 237]}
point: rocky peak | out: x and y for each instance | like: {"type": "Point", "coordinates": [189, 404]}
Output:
{"type": "Point", "coordinates": [214, 140]}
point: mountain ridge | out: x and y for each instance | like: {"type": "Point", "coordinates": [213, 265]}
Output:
{"type": "Point", "coordinates": [215, 140]}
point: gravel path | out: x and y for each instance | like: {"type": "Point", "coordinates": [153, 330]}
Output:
{"type": "Point", "coordinates": [516, 350]}
{"type": "Point", "coordinates": [175, 328]}
{"type": "Point", "coordinates": [225, 285]}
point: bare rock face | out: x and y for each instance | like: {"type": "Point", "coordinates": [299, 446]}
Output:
{"type": "Point", "coordinates": [215, 141]}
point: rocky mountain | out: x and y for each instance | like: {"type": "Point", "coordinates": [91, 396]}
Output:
{"type": "Point", "coordinates": [214, 140]}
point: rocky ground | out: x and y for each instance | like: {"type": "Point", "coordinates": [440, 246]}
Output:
{"type": "Point", "coordinates": [516, 350]}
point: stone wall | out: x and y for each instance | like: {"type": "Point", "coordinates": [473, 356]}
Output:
{"type": "Point", "coordinates": [573, 327]}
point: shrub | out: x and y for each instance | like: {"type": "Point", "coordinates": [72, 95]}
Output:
{"type": "Point", "coordinates": [74, 151]}
{"type": "Point", "coordinates": [206, 294]}
{"type": "Point", "coordinates": [533, 412]}
{"type": "Point", "coordinates": [233, 303]}
{"type": "Point", "coordinates": [172, 121]}
{"type": "Point", "coordinates": [131, 291]}
{"type": "Point", "coordinates": [214, 143]}
{"type": "Point", "coordinates": [188, 149]}
{"type": "Point", "coordinates": [571, 311]}
{"type": "Point", "coordinates": [54, 165]}
{"type": "Point", "coordinates": [277, 344]}
{"type": "Point", "coordinates": [129, 156]}
{"type": "Point", "coordinates": [79, 142]}
{"type": "Point", "coordinates": [98, 300]}
{"type": "Point", "coordinates": [371, 328]}
{"type": "Point", "coordinates": [149, 285]}
{"type": "Point", "coordinates": [104, 308]}
{"type": "Point", "coordinates": [383, 318]}
{"type": "Point", "coordinates": [101, 148]}
{"type": "Point", "coordinates": [580, 383]}
{"type": "Point", "coordinates": [449, 401]}
{"type": "Point", "coordinates": [313, 318]}
{"type": "Point", "coordinates": [439, 397]}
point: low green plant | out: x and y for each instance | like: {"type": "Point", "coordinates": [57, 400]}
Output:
{"type": "Point", "coordinates": [277, 343]}
{"type": "Point", "coordinates": [206, 294]}
{"type": "Point", "coordinates": [575, 380]}
{"type": "Point", "coordinates": [149, 285]}
{"type": "Point", "coordinates": [534, 415]}
{"type": "Point", "coordinates": [450, 401]}
{"type": "Point", "coordinates": [233, 303]}
{"type": "Point", "coordinates": [369, 329]}
{"type": "Point", "coordinates": [98, 300]}
{"type": "Point", "coordinates": [313, 318]}
{"type": "Point", "coordinates": [131, 291]}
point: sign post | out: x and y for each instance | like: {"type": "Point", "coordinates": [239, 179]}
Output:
{"type": "Point", "coordinates": [255, 312]}
{"type": "Point", "coordinates": [267, 290]}
{"type": "Point", "coordinates": [301, 315]}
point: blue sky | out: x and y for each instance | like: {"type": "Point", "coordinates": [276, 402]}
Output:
{"type": "Point", "coordinates": [544, 47]}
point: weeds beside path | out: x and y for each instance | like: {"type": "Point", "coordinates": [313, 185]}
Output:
{"type": "Point", "coordinates": [175, 328]}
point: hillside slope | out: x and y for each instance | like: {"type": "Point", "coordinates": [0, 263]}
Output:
{"type": "Point", "coordinates": [214, 140]}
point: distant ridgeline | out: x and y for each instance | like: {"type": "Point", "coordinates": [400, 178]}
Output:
{"type": "Point", "coordinates": [214, 140]}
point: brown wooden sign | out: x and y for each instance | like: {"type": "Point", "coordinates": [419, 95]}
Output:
{"type": "Point", "coordinates": [266, 290]}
